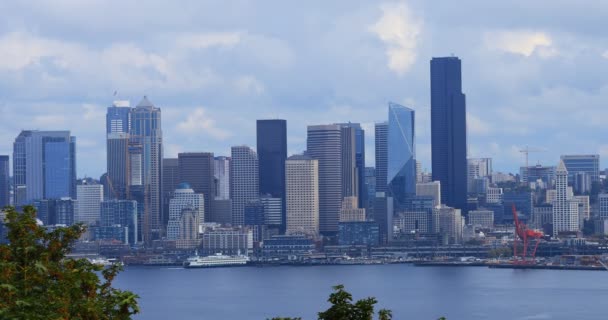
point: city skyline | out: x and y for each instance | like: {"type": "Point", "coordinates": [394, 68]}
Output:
{"type": "Point", "coordinates": [515, 71]}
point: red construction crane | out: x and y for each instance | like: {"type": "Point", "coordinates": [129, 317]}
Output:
{"type": "Point", "coordinates": [522, 232]}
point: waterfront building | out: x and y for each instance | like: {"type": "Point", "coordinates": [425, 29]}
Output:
{"type": "Point", "coordinates": [272, 153]}
{"type": "Point", "coordinates": [89, 198]}
{"type": "Point", "coordinates": [481, 218]}
{"type": "Point", "coordinates": [449, 224]}
{"type": "Point", "coordinates": [565, 210]}
{"type": "Point", "coordinates": [186, 214]}
{"type": "Point", "coordinates": [243, 181]}
{"type": "Point", "coordinates": [5, 182]}
{"type": "Point", "coordinates": [121, 213]}
{"type": "Point", "coordinates": [44, 165]}
{"type": "Point", "coordinates": [449, 130]}
{"type": "Point", "coordinates": [401, 170]}
{"type": "Point", "coordinates": [432, 189]}
{"type": "Point", "coordinates": [303, 202]}
{"type": "Point", "coordinates": [324, 143]}
{"type": "Point", "coordinates": [350, 210]}
{"type": "Point", "coordinates": [351, 233]}
{"type": "Point", "coordinates": [585, 163]}
{"type": "Point", "coordinates": [284, 246]}
{"type": "Point", "coordinates": [198, 170]}
{"type": "Point", "coordinates": [229, 241]}
{"type": "Point", "coordinates": [146, 163]}
{"type": "Point", "coordinates": [170, 182]}
{"type": "Point", "coordinates": [222, 178]}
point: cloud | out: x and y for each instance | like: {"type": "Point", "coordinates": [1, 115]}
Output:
{"type": "Point", "coordinates": [249, 84]}
{"type": "Point", "coordinates": [398, 29]}
{"type": "Point", "coordinates": [522, 42]}
{"type": "Point", "coordinates": [207, 40]}
{"type": "Point", "coordinates": [199, 122]}
{"type": "Point", "coordinates": [477, 126]}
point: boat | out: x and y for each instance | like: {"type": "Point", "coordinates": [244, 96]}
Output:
{"type": "Point", "coordinates": [100, 261]}
{"type": "Point", "coordinates": [216, 260]}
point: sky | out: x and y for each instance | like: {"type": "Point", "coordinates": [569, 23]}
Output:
{"type": "Point", "coordinates": [534, 72]}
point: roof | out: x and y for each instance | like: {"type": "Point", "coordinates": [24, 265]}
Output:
{"type": "Point", "coordinates": [145, 103]}
{"type": "Point", "coordinates": [561, 167]}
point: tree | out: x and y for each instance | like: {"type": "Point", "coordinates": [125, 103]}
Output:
{"type": "Point", "coordinates": [38, 281]}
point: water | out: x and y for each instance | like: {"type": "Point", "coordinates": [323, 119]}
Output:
{"type": "Point", "coordinates": [411, 292]}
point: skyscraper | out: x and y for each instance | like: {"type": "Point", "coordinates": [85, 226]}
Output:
{"type": "Point", "coordinates": [197, 169]}
{"type": "Point", "coordinates": [587, 163]}
{"type": "Point", "coordinates": [324, 144]}
{"type": "Point", "coordinates": [120, 213]}
{"type": "Point", "coordinates": [146, 160]}
{"type": "Point", "coordinates": [302, 183]}
{"type": "Point", "coordinates": [449, 131]}
{"type": "Point", "coordinates": [243, 181]}
{"type": "Point", "coordinates": [4, 182]}
{"type": "Point", "coordinates": [170, 182]}
{"type": "Point", "coordinates": [401, 170]}
{"type": "Point", "coordinates": [89, 198]}
{"type": "Point", "coordinates": [45, 165]}
{"type": "Point", "coordinates": [565, 210]}
{"type": "Point", "coordinates": [222, 178]}
{"type": "Point", "coordinates": [350, 183]}
{"type": "Point", "coordinates": [117, 157]}
{"type": "Point", "coordinates": [272, 152]}
{"type": "Point", "coordinates": [359, 162]}
{"type": "Point", "coordinates": [186, 214]}
{"type": "Point", "coordinates": [383, 210]}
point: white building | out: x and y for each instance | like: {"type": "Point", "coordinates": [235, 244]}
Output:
{"type": "Point", "coordinates": [493, 195]}
{"type": "Point", "coordinates": [88, 206]}
{"type": "Point", "coordinates": [432, 189]}
{"type": "Point", "coordinates": [449, 224]}
{"type": "Point", "coordinates": [222, 177]}
{"type": "Point", "coordinates": [565, 211]}
{"type": "Point", "coordinates": [302, 195]}
{"type": "Point", "coordinates": [584, 212]}
{"type": "Point", "coordinates": [186, 214]}
{"type": "Point", "coordinates": [350, 210]}
{"type": "Point", "coordinates": [244, 185]}
{"type": "Point", "coordinates": [413, 222]}
{"type": "Point", "coordinates": [481, 218]}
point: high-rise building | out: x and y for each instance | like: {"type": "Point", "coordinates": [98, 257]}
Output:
{"type": "Point", "coordinates": [302, 195]}
{"type": "Point", "coordinates": [481, 218]}
{"type": "Point", "coordinates": [272, 153]}
{"type": "Point", "coordinates": [432, 189]}
{"type": "Point", "coordinates": [584, 210]}
{"type": "Point", "coordinates": [350, 210]}
{"type": "Point", "coordinates": [118, 117]}
{"type": "Point", "coordinates": [89, 198]}
{"type": "Point", "coordinates": [243, 181]}
{"type": "Point", "coordinates": [538, 172]}
{"type": "Point", "coordinates": [348, 142]}
{"type": "Point", "coordinates": [44, 165]}
{"type": "Point", "coordinates": [370, 189]}
{"type": "Point", "coordinates": [401, 170]}
{"type": "Point", "coordinates": [449, 225]}
{"type": "Point", "coordinates": [170, 182]}
{"type": "Point", "coordinates": [383, 206]}
{"type": "Point", "coordinates": [4, 182]}
{"type": "Point", "coordinates": [56, 211]}
{"type": "Point", "coordinates": [602, 200]}
{"type": "Point", "coordinates": [360, 162]}
{"type": "Point", "coordinates": [186, 214]}
{"type": "Point", "coordinates": [273, 211]}
{"type": "Point", "coordinates": [565, 210]}
{"type": "Point", "coordinates": [146, 163]}
{"type": "Point", "coordinates": [117, 157]}
{"type": "Point", "coordinates": [121, 213]}
{"type": "Point", "coordinates": [222, 178]}
{"type": "Point", "coordinates": [449, 130]}
{"type": "Point", "coordinates": [324, 143]}
{"type": "Point", "coordinates": [478, 168]}
{"type": "Point", "coordinates": [587, 163]}
{"type": "Point", "coordinates": [198, 170]}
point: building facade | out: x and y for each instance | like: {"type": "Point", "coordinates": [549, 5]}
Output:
{"type": "Point", "coordinates": [5, 182]}
{"type": "Point", "coordinates": [122, 213]}
{"type": "Point", "coordinates": [244, 185]}
{"type": "Point", "coordinates": [89, 198]}
{"type": "Point", "coordinates": [303, 203]}
{"type": "Point", "coordinates": [401, 170]}
{"type": "Point", "coordinates": [565, 210]}
{"type": "Point", "coordinates": [198, 170]}
{"type": "Point", "coordinates": [586, 163]}
{"type": "Point", "coordinates": [272, 153]}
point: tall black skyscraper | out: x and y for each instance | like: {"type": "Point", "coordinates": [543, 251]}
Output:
{"type": "Point", "coordinates": [4, 182]}
{"type": "Point", "coordinates": [272, 153]}
{"type": "Point", "coordinates": [197, 169]}
{"type": "Point", "coordinates": [449, 131]}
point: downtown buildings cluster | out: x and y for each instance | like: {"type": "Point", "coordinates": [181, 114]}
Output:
{"type": "Point", "coordinates": [326, 194]}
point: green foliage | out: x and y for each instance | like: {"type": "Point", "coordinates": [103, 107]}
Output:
{"type": "Point", "coordinates": [500, 252]}
{"type": "Point", "coordinates": [37, 281]}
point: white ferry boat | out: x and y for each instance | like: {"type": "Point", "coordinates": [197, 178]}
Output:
{"type": "Point", "coordinates": [217, 260]}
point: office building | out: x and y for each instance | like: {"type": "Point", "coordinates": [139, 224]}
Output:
{"type": "Point", "coordinates": [255, 219]}
{"type": "Point", "coordinates": [44, 165]}
{"type": "Point", "coordinates": [432, 189]}
{"type": "Point", "coordinates": [478, 168]}
{"type": "Point", "coordinates": [117, 159]}
{"type": "Point", "coordinates": [542, 216]}
{"type": "Point", "coordinates": [401, 170]}
{"type": "Point", "coordinates": [5, 182]}
{"type": "Point", "coordinates": [584, 210]}
{"type": "Point", "coordinates": [350, 210]}
{"type": "Point", "coordinates": [118, 117]}
{"type": "Point", "coordinates": [493, 195]}
{"type": "Point", "coordinates": [198, 170]}
{"type": "Point", "coordinates": [350, 185]}
{"type": "Point", "coordinates": [587, 163]}
{"type": "Point", "coordinates": [185, 208]}
{"type": "Point", "coordinates": [170, 182]}
{"type": "Point", "coordinates": [284, 246]}
{"type": "Point", "coordinates": [370, 189]}
{"type": "Point", "coordinates": [358, 233]}
{"type": "Point", "coordinates": [273, 211]}
{"type": "Point", "coordinates": [412, 222]}
{"type": "Point", "coordinates": [272, 153]}
{"type": "Point", "coordinates": [538, 172]}
{"type": "Point", "coordinates": [602, 200]}
{"type": "Point", "coordinates": [359, 162]}
{"type": "Point", "coordinates": [523, 202]}
{"type": "Point", "coordinates": [449, 131]}
{"type": "Point", "coordinates": [222, 178]}
{"type": "Point", "coordinates": [324, 143]}
{"type": "Point", "coordinates": [449, 225]}
{"type": "Point", "coordinates": [481, 218]}
{"type": "Point", "coordinates": [122, 213]}
{"type": "Point", "coordinates": [565, 210]}
{"type": "Point", "coordinates": [383, 204]}
{"type": "Point", "coordinates": [56, 211]}
{"type": "Point", "coordinates": [146, 156]}
{"type": "Point", "coordinates": [89, 198]}
{"type": "Point", "coordinates": [302, 195]}
{"type": "Point", "coordinates": [581, 183]}
{"type": "Point", "coordinates": [229, 241]}
{"type": "Point", "coordinates": [243, 181]}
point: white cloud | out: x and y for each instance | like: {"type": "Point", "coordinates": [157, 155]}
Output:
{"type": "Point", "coordinates": [399, 31]}
{"type": "Point", "coordinates": [199, 122]}
{"type": "Point", "coordinates": [249, 84]}
{"type": "Point", "coordinates": [477, 126]}
{"type": "Point", "coordinates": [522, 42]}
{"type": "Point", "coordinates": [207, 40]}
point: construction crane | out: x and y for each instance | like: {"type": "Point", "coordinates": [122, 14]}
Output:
{"type": "Point", "coordinates": [525, 234]}
{"type": "Point", "coordinates": [526, 151]}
